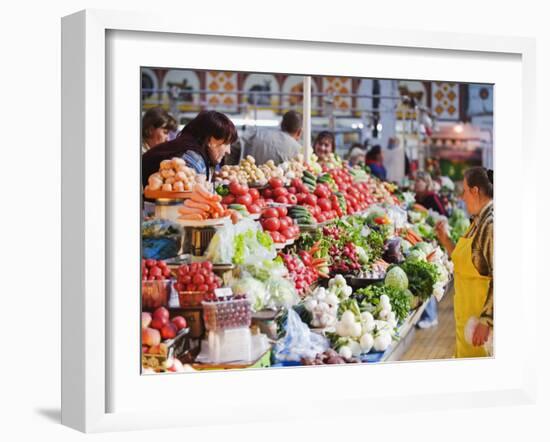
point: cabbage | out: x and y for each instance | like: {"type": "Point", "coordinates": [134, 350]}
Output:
{"type": "Point", "coordinates": [282, 293]}
{"type": "Point", "coordinates": [396, 278]}
{"type": "Point", "coordinates": [254, 290]}
{"type": "Point", "coordinates": [362, 255]}
{"type": "Point", "coordinates": [424, 247]}
{"type": "Point", "coordinates": [416, 255]}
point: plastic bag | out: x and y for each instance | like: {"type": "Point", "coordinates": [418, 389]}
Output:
{"type": "Point", "coordinates": [222, 248]}
{"type": "Point", "coordinates": [299, 342]}
{"type": "Point", "coordinates": [469, 329]}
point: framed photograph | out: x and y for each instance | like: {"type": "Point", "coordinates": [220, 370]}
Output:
{"type": "Point", "coordinates": [162, 330]}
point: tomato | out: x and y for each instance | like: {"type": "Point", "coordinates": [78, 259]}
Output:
{"type": "Point", "coordinates": [303, 189]}
{"type": "Point", "coordinates": [311, 200]}
{"type": "Point", "coordinates": [254, 193]}
{"type": "Point", "coordinates": [300, 197]}
{"type": "Point", "coordinates": [292, 190]}
{"type": "Point", "coordinates": [166, 272]}
{"type": "Point", "coordinates": [283, 224]}
{"type": "Point", "coordinates": [161, 264]}
{"type": "Point", "coordinates": [202, 288]}
{"type": "Point", "coordinates": [282, 211]}
{"type": "Point", "coordinates": [324, 204]}
{"type": "Point", "coordinates": [236, 189]}
{"type": "Point", "coordinates": [292, 199]}
{"type": "Point", "coordinates": [296, 182]}
{"type": "Point", "coordinates": [207, 265]}
{"type": "Point", "coordinates": [191, 287]}
{"type": "Point", "coordinates": [277, 237]}
{"type": "Point", "coordinates": [194, 267]}
{"type": "Point", "coordinates": [271, 224]}
{"type": "Point", "coordinates": [289, 220]}
{"type": "Point", "coordinates": [245, 199]}
{"type": "Point", "coordinates": [209, 279]}
{"type": "Point", "coordinates": [281, 200]}
{"type": "Point", "coordinates": [155, 271]}
{"type": "Point", "coordinates": [228, 199]}
{"type": "Point", "coordinates": [198, 279]}
{"type": "Point", "coordinates": [212, 287]}
{"type": "Point", "coordinates": [287, 233]}
{"type": "Point", "coordinates": [279, 191]}
{"type": "Point", "coordinates": [274, 235]}
{"type": "Point", "coordinates": [150, 262]}
{"type": "Point", "coordinates": [335, 204]}
{"type": "Point", "coordinates": [275, 183]}
{"type": "Point", "coordinates": [271, 212]}
{"type": "Point", "coordinates": [268, 193]}
{"type": "Point", "coordinates": [253, 208]}
{"type": "Point", "coordinates": [321, 218]}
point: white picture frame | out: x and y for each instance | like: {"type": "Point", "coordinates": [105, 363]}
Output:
{"type": "Point", "coordinates": [87, 216]}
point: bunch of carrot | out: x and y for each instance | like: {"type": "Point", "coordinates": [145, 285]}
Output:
{"type": "Point", "coordinates": [202, 205]}
{"type": "Point", "coordinates": [411, 236]}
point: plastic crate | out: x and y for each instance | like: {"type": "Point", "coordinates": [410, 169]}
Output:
{"type": "Point", "coordinates": [226, 314]}
{"type": "Point", "coordinates": [192, 299]}
{"type": "Point", "coordinates": [230, 345]}
{"type": "Point", "coordinates": [155, 293]}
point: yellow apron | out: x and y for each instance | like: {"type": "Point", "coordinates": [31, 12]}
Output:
{"type": "Point", "coordinates": [470, 295]}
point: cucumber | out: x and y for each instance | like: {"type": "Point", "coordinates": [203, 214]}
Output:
{"type": "Point", "coordinates": [238, 208]}
{"type": "Point", "coordinates": [309, 181]}
{"type": "Point", "coordinates": [308, 175]}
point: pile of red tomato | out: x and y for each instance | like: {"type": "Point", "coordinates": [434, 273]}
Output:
{"type": "Point", "coordinates": [278, 224]}
{"type": "Point", "coordinates": [248, 197]}
{"type": "Point", "coordinates": [357, 195]}
{"type": "Point", "coordinates": [198, 277]}
{"type": "Point", "coordinates": [277, 193]}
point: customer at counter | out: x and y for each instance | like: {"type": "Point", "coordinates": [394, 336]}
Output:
{"type": "Point", "coordinates": [375, 161]}
{"type": "Point", "coordinates": [277, 145]}
{"type": "Point", "coordinates": [202, 144]}
{"type": "Point", "coordinates": [324, 145]}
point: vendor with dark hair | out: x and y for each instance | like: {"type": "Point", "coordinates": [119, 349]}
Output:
{"type": "Point", "coordinates": [156, 125]}
{"type": "Point", "coordinates": [324, 145]}
{"type": "Point", "coordinates": [472, 257]}
{"type": "Point", "coordinates": [202, 144]}
{"type": "Point", "coordinates": [375, 161]}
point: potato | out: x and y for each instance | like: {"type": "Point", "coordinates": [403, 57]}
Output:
{"type": "Point", "coordinates": [170, 180]}
{"type": "Point", "coordinates": [165, 164]}
{"type": "Point", "coordinates": [167, 173]}
{"type": "Point", "coordinates": [167, 187]}
{"type": "Point", "coordinates": [178, 186]}
{"type": "Point", "coordinates": [155, 182]}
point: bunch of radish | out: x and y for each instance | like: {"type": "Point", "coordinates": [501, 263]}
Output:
{"type": "Point", "coordinates": [303, 275]}
{"type": "Point", "coordinates": [278, 224]}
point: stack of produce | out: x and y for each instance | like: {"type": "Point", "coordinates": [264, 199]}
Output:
{"type": "Point", "coordinates": [246, 172]}
{"type": "Point", "coordinates": [158, 327]}
{"type": "Point", "coordinates": [277, 193]}
{"type": "Point", "coordinates": [330, 161]}
{"type": "Point", "coordinates": [152, 269]}
{"type": "Point", "coordinates": [278, 224]}
{"type": "Point", "coordinates": [242, 198]}
{"type": "Point", "coordinates": [173, 176]}
{"type": "Point", "coordinates": [303, 269]}
{"type": "Point", "coordinates": [198, 277]}
{"type": "Point", "coordinates": [202, 205]}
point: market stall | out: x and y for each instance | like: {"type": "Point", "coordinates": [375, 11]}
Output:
{"type": "Point", "coordinates": [297, 264]}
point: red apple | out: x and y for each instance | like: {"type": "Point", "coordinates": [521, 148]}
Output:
{"type": "Point", "coordinates": [146, 319]}
{"type": "Point", "coordinates": [158, 323]}
{"type": "Point", "coordinates": [180, 322]}
{"type": "Point", "coordinates": [168, 331]}
{"type": "Point", "coordinates": [150, 337]}
{"type": "Point", "coordinates": [161, 313]}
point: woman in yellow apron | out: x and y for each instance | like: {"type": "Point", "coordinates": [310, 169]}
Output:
{"type": "Point", "coordinates": [472, 257]}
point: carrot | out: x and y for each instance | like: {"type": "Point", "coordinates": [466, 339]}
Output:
{"type": "Point", "coordinates": [190, 211]}
{"type": "Point", "coordinates": [197, 197]}
{"type": "Point", "coordinates": [196, 205]}
{"type": "Point", "coordinates": [192, 217]}
{"type": "Point", "coordinates": [430, 256]}
{"type": "Point", "coordinates": [205, 194]}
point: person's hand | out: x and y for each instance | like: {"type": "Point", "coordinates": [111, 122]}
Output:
{"type": "Point", "coordinates": [481, 334]}
{"type": "Point", "coordinates": [441, 231]}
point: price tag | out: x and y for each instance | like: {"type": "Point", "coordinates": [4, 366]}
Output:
{"type": "Point", "coordinates": [223, 292]}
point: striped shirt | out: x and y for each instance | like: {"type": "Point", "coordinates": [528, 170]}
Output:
{"type": "Point", "coordinates": [481, 232]}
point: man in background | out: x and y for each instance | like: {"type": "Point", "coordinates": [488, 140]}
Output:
{"type": "Point", "coordinates": [277, 145]}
